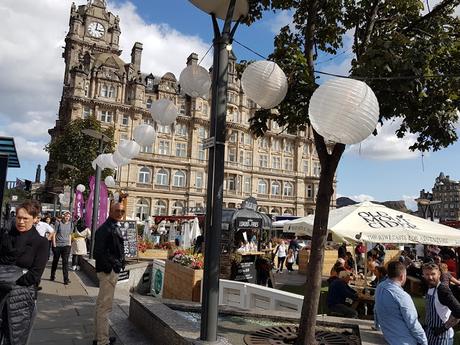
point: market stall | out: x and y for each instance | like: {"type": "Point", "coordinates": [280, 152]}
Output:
{"type": "Point", "coordinates": [374, 223]}
{"type": "Point", "coordinates": [243, 232]}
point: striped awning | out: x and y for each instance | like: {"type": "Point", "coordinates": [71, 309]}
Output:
{"type": "Point", "coordinates": [7, 147]}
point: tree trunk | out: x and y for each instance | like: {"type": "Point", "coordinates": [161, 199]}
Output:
{"type": "Point", "coordinates": [329, 163]}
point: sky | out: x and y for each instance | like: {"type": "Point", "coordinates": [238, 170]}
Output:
{"type": "Point", "coordinates": [31, 40]}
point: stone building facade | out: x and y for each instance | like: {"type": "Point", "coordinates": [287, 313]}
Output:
{"type": "Point", "coordinates": [447, 191]}
{"type": "Point", "coordinates": [280, 170]}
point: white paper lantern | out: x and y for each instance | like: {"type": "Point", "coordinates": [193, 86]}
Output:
{"type": "Point", "coordinates": [344, 110]}
{"type": "Point", "coordinates": [81, 188]}
{"type": "Point", "coordinates": [109, 181]}
{"type": "Point", "coordinates": [119, 160]}
{"type": "Point", "coordinates": [219, 8]}
{"type": "Point", "coordinates": [129, 149]}
{"type": "Point", "coordinates": [265, 83]}
{"type": "Point", "coordinates": [107, 159]}
{"type": "Point", "coordinates": [194, 80]}
{"type": "Point", "coordinates": [164, 112]}
{"type": "Point", "coordinates": [144, 135]}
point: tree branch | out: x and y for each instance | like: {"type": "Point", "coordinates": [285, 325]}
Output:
{"type": "Point", "coordinates": [310, 36]}
{"type": "Point", "coordinates": [439, 8]}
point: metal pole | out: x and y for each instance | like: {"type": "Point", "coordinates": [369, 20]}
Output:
{"type": "Point", "coordinates": [96, 200]}
{"type": "Point", "coordinates": [54, 205]}
{"type": "Point", "coordinates": [3, 174]}
{"type": "Point", "coordinates": [213, 228]}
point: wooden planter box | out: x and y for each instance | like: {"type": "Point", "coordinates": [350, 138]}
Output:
{"type": "Point", "coordinates": [181, 282]}
{"type": "Point", "coordinates": [161, 254]}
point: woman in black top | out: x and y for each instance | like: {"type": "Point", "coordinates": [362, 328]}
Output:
{"type": "Point", "coordinates": [23, 248]}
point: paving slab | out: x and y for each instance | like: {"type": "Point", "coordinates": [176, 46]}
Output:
{"type": "Point", "coordinates": [65, 313]}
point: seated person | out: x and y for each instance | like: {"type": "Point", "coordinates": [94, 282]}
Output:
{"type": "Point", "coordinates": [380, 275]}
{"type": "Point", "coordinates": [349, 262]}
{"type": "Point", "coordinates": [338, 266]}
{"type": "Point", "coordinates": [341, 295]}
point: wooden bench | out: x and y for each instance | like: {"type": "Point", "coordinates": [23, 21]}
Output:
{"type": "Point", "coordinates": [413, 284]}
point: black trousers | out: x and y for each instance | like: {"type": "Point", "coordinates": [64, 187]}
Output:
{"type": "Point", "coordinates": [64, 253]}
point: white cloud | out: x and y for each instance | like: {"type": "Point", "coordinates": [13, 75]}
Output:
{"type": "Point", "coordinates": [410, 201]}
{"type": "Point", "coordinates": [385, 145]}
{"type": "Point", "coordinates": [32, 68]}
{"type": "Point", "coordinates": [164, 48]}
{"type": "Point", "coordinates": [279, 20]}
{"type": "Point", "coordinates": [362, 197]}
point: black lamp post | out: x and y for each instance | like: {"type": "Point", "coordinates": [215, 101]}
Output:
{"type": "Point", "coordinates": [102, 139]}
{"type": "Point", "coordinates": [228, 10]}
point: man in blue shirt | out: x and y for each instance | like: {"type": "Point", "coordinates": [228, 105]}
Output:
{"type": "Point", "coordinates": [339, 293]}
{"type": "Point", "coordinates": [395, 311]}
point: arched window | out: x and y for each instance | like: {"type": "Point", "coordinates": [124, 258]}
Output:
{"type": "Point", "coordinates": [179, 179]}
{"type": "Point", "coordinates": [276, 188]}
{"type": "Point", "coordinates": [288, 189]}
{"type": "Point", "coordinates": [262, 187]}
{"type": "Point", "coordinates": [104, 90]}
{"type": "Point", "coordinates": [275, 210]}
{"type": "Point", "coordinates": [162, 177]}
{"type": "Point", "coordinates": [149, 103]}
{"type": "Point", "coordinates": [262, 209]}
{"type": "Point", "coordinates": [160, 208]}
{"type": "Point", "coordinates": [289, 211]}
{"type": "Point", "coordinates": [142, 209]}
{"type": "Point", "coordinates": [144, 175]}
{"type": "Point", "coordinates": [178, 208]}
{"type": "Point", "coordinates": [112, 93]}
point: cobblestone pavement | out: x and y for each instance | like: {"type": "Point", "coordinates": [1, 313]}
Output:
{"type": "Point", "coordinates": [66, 313]}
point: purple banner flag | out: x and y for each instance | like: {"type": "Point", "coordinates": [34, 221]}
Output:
{"type": "Point", "coordinates": [103, 203]}
{"type": "Point", "coordinates": [78, 206]}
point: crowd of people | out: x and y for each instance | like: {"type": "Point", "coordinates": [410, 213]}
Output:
{"type": "Point", "coordinates": [25, 246]}
{"type": "Point", "coordinates": [394, 310]}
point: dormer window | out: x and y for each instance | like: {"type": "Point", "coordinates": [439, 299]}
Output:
{"type": "Point", "coordinates": [149, 83]}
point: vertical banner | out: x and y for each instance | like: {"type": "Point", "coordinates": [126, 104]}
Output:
{"type": "Point", "coordinates": [78, 205]}
{"type": "Point", "coordinates": [89, 203]}
{"type": "Point", "coordinates": [103, 203]}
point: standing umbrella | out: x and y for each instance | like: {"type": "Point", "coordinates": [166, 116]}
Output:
{"type": "Point", "coordinates": [369, 222]}
{"type": "Point", "coordinates": [186, 235]}
{"type": "Point", "coordinates": [196, 231]}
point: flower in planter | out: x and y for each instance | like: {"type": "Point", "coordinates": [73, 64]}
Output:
{"type": "Point", "coordinates": [188, 259]}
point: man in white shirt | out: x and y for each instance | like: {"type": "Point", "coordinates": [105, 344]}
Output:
{"type": "Point", "coordinates": [44, 229]}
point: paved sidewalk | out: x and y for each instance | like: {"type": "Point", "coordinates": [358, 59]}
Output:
{"type": "Point", "coordinates": [66, 313]}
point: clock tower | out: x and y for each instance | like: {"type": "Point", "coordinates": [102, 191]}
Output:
{"type": "Point", "coordinates": [97, 82]}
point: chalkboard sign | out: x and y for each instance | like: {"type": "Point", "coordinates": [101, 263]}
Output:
{"type": "Point", "coordinates": [244, 272]}
{"type": "Point", "coordinates": [123, 276]}
{"type": "Point", "coordinates": [129, 231]}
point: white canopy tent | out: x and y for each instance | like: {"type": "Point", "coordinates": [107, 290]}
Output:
{"type": "Point", "coordinates": [369, 222]}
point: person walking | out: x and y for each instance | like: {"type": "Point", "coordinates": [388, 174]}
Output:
{"type": "Point", "coordinates": [280, 252]}
{"type": "Point", "coordinates": [395, 311]}
{"type": "Point", "coordinates": [440, 305]}
{"type": "Point", "coordinates": [23, 259]}
{"type": "Point", "coordinates": [78, 246]}
{"type": "Point", "coordinates": [61, 247]}
{"type": "Point", "coordinates": [110, 260]}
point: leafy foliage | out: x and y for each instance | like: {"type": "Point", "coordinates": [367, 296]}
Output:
{"type": "Point", "coordinates": [75, 148]}
{"type": "Point", "coordinates": [395, 47]}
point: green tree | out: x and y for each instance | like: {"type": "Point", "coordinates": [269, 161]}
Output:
{"type": "Point", "coordinates": [74, 148]}
{"type": "Point", "coordinates": [411, 60]}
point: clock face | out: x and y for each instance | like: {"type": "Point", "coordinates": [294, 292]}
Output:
{"type": "Point", "coordinates": [96, 29]}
